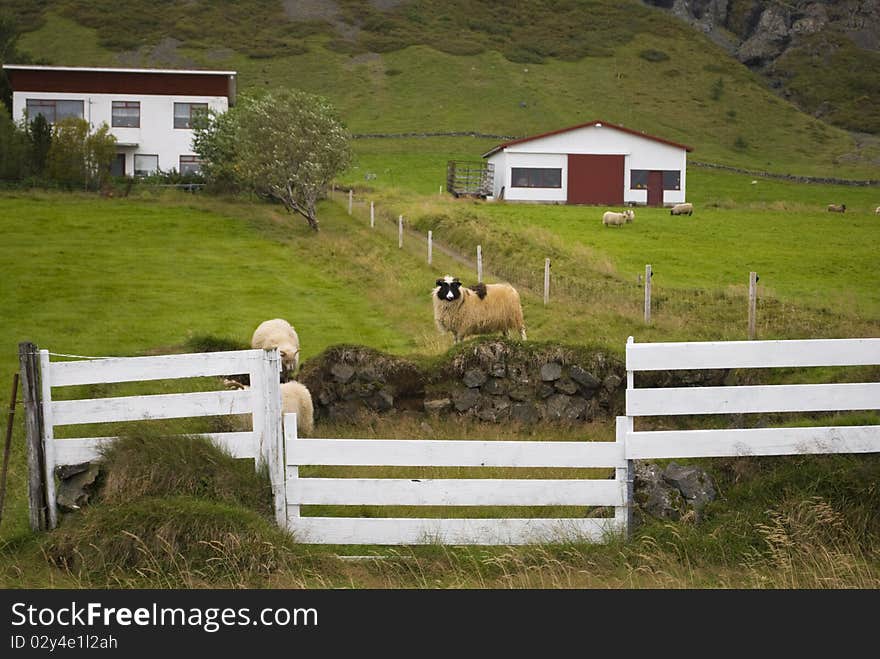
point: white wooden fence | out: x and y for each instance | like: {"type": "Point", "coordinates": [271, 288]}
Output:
{"type": "Point", "coordinates": [629, 446]}
{"type": "Point", "coordinates": [645, 402]}
{"type": "Point", "coordinates": [286, 453]}
{"type": "Point", "coordinates": [262, 401]}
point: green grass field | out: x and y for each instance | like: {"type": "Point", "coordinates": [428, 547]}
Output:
{"type": "Point", "coordinates": [150, 273]}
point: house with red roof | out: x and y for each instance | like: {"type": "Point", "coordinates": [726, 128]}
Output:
{"type": "Point", "coordinates": [595, 163]}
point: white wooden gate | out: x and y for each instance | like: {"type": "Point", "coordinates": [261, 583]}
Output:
{"type": "Point", "coordinates": [262, 401]}
{"type": "Point", "coordinates": [614, 492]}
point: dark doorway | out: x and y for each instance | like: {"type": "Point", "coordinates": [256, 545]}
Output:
{"type": "Point", "coordinates": [117, 167]}
{"type": "Point", "coordinates": [595, 179]}
{"type": "Point", "coordinates": [655, 188]}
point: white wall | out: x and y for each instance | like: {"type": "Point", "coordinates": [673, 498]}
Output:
{"type": "Point", "coordinates": [550, 151]}
{"type": "Point", "coordinates": [156, 135]}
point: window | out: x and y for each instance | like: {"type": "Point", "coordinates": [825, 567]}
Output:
{"type": "Point", "coordinates": [638, 179]}
{"type": "Point", "coordinates": [184, 113]}
{"type": "Point", "coordinates": [190, 165]}
{"type": "Point", "coordinates": [534, 177]}
{"type": "Point", "coordinates": [672, 180]}
{"type": "Point", "coordinates": [54, 109]}
{"type": "Point", "coordinates": [145, 165]}
{"type": "Point", "coordinates": [126, 114]}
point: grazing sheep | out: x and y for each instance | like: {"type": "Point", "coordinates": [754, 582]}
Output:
{"type": "Point", "coordinates": [877, 210]}
{"type": "Point", "coordinates": [480, 309]}
{"type": "Point", "coordinates": [682, 209]}
{"type": "Point", "coordinates": [612, 219]}
{"type": "Point", "coordinates": [836, 208]}
{"type": "Point", "coordinates": [295, 397]}
{"type": "Point", "coordinates": [278, 333]}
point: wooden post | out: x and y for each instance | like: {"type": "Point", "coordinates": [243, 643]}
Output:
{"type": "Point", "coordinates": [546, 281]}
{"type": "Point", "coordinates": [753, 297]}
{"type": "Point", "coordinates": [648, 275]}
{"type": "Point", "coordinates": [430, 245]}
{"type": "Point", "coordinates": [372, 215]}
{"type": "Point", "coordinates": [400, 231]}
{"type": "Point", "coordinates": [350, 196]}
{"type": "Point", "coordinates": [479, 264]}
{"type": "Point", "coordinates": [27, 358]}
{"type": "Point", "coordinates": [7, 447]}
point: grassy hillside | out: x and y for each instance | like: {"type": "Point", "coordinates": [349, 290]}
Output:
{"type": "Point", "coordinates": [651, 73]}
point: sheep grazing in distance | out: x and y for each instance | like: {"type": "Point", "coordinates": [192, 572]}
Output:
{"type": "Point", "coordinates": [836, 208]}
{"type": "Point", "coordinates": [480, 309]}
{"type": "Point", "coordinates": [612, 219]}
{"type": "Point", "coordinates": [278, 333]}
{"type": "Point", "coordinates": [682, 209]}
{"type": "Point", "coordinates": [877, 210]}
{"type": "Point", "coordinates": [295, 398]}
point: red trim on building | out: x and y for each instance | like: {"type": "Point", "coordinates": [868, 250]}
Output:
{"type": "Point", "coordinates": [598, 123]}
{"type": "Point", "coordinates": [77, 81]}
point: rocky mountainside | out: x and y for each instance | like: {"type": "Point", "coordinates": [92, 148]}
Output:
{"type": "Point", "coordinates": [823, 55]}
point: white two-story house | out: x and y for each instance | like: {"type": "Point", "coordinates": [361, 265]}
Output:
{"type": "Point", "coordinates": [149, 111]}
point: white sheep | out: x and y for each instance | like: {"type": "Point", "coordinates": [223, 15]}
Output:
{"type": "Point", "coordinates": [278, 333]}
{"type": "Point", "coordinates": [836, 208]}
{"type": "Point", "coordinates": [630, 214]}
{"type": "Point", "coordinates": [295, 397]}
{"type": "Point", "coordinates": [682, 209]}
{"type": "Point", "coordinates": [877, 210]}
{"type": "Point", "coordinates": [480, 309]}
{"type": "Point", "coordinates": [612, 219]}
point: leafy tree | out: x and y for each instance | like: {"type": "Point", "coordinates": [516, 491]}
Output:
{"type": "Point", "coordinates": [14, 148]}
{"type": "Point", "coordinates": [78, 156]}
{"type": "Point", "coordinates": [287, 145]}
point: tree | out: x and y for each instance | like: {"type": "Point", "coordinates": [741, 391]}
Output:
{"type": "Point", "coordinates": [14, 148]}
{"type": "Point", "coordinates": [40, 133]}
{"type": "Point", "coordinates": [78, 156]}
{"type": "Point", "coordinates": [287, 145]}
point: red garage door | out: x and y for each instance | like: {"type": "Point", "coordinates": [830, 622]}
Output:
{"type": "Point", "coordinates": [594, 179]}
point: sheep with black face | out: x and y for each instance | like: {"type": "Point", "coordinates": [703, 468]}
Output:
{"type": "Point", "coordinates": [480, 309]}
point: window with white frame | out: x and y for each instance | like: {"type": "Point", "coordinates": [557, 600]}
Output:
{"type": "Point", "coordinates": [126, 114]}
{"type": "Point", "coordinates": [190, 165]}
{"type": "Point", "coordinates": [536, 177]}
{"type": "Point", "coordinates": [54, 109]}
{"type": "Point", "coordinates": [145, 164]}
{"type": "Point", "coordinates": [185, 113]}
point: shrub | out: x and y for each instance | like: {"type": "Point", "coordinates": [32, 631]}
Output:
{"type": "Point", "coordinates": [652, 55]}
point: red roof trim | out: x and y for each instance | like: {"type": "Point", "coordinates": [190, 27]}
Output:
{"type": "Point", "coordinates": [597, 122]}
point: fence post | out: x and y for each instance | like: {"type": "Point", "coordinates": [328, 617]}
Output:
{"type": "Point", "coordinates": [272, 448]}
{"type": "Point", "coordinates": [350, 195]}
{"type": "Point", "coordinates": [372, 215]}
{"type": "Point", "coordinates": [546, 281]}
{"type": "Point", "coordinates": [27, 358]}
{"type": "Point", "coordinates": [7, 446]}
{"type": "Point", "coordinates": [430, 245]}
{"type": "Point", "coordinates": [648, 275]}
{"type": "Point", "coordinates": [400, 231]}
{"type": "Point", "coordinates": [291, 472]}
{"type": "Point", "coordinates": [625, 475]}
{"type": "Point", "coordinates": [753, 296]}
{"type": "Point", "coordinates": [479, 264]}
